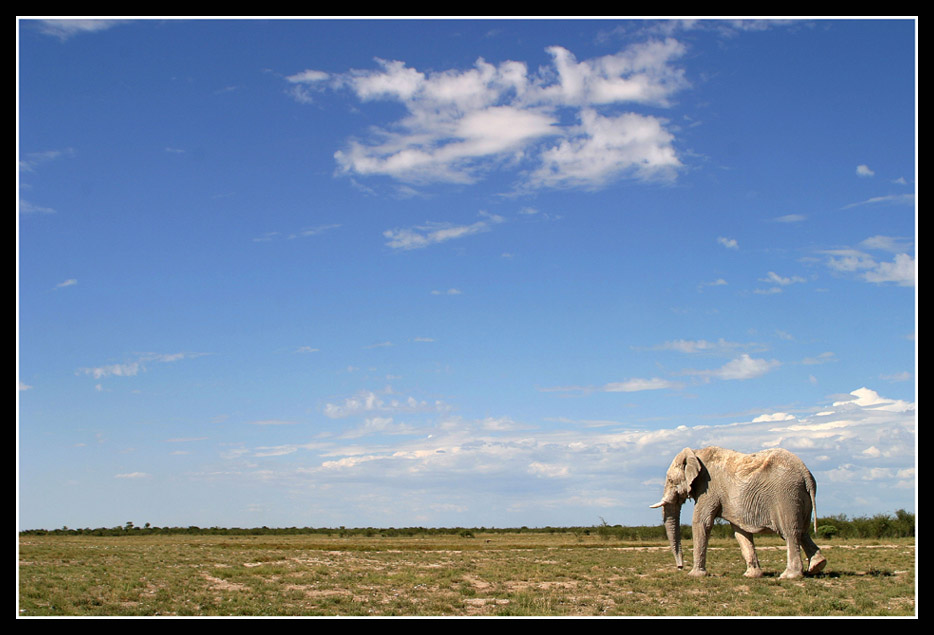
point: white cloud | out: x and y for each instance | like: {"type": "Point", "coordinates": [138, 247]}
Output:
{"type": "Point", "coordinates": [428, 234]}
{"type": "Point", "coordinates": [642, 74]}
{"type": "Point", "coordinates": [602, 149]}
{"type": "Point", "coordinates": [781, 280]}
{"type": "Point", "coordinates": [886, 243]}
{"type": "Point", "coordinates": [128, 369]}
{"type": "Point", "coordinates": [775, 416]}
{"type": "Point", "coordinates": [790, 218]}
{"type": "Point", "coordinates": [134, 367]}
{"type": "Point", "coordinates": [901, 270]}
{"type": "Point", "coordinates": [870, 399]}
{"type": "Point", "coordinates": [64, 29]}
{"type": "Point", "coordinates": [369, 402]}
{"type": "Point", "coordinates": [548, 471]}
{"type": "Point", "coordinates": [729, 243]}
{"type": "Point", "coordinates": [863, 170]}
{"type": "Point", "coordinates": [32, 160]}
{"type": "Point", "coordinates": [25, 207]}
{"type": "Point", "coordinates": [271, 422]}
{"type": "Point", "coordinates": [896, 199]}
{"type": "Point", "coordinates": [743, 367]}
{"type": "Point", "coordinates": [868, 439]}
{"type": "Point", "coordinates": [132, 475]}
{"type": "Point", "coordinates": [307, 77]}
{"type": "Point", "coordinates": [636, 385]}
{"type": "Point", "coordinates": [698, 346]}
{"type": "Point", "coordinates": [460, 123]}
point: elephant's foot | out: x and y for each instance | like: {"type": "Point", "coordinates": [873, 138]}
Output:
{"type": "Point", "coordinates": [818, 562]}
{"type": "Point", "coordinates": [698, 573]}
{"type": "Point", "coordinates": [790, 574]}
{"type": "Point", "coordinates": [753, 572]}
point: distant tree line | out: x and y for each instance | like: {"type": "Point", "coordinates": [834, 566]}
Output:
{"type": "Point", "coordinates": [901, 525]}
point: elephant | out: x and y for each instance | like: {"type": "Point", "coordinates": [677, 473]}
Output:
{"type": "Point", "coordinates": [771, 491]}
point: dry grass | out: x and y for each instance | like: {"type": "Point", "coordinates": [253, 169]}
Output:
{"type": "Point", "coordinates": [490, 574]}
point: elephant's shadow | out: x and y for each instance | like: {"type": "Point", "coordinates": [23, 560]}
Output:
{"type": "Point", "coordinates": [833, 575]}
{"type": "Point", "coordinates": [872, 573]}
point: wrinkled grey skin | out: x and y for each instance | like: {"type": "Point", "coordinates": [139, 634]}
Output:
{"type": "Point", "coordinates": [767, 492]}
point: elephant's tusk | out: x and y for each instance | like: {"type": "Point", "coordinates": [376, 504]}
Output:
{"type": "Point", "coordinates": [658, 504]}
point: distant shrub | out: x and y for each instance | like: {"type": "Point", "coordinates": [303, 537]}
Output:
{"type": "Point", "coordinates": [826, 531]}
{"type": "Point", "coordinates": [901, 525]}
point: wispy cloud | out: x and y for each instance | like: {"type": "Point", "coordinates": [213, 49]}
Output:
{"type": "Point", "coordinates": [790, 218]}
{"type": "Point", "coordinates": [740, 368]}
{"type": "Point", "coordinates": [778, 282]}
{"type": "Point", "coordinates": [25, 207]}
{"type": "Point", "coordinates": [33, 160]}
{"type": "Point", "coordinates": [428, 234]}
{"type": "Point", "coordinates": [729, 243]}
{"type": "Point", "coordinates": [373, 403]}
{"type": "Point", "coordinates": [135, 366]}
{"type": "Point", "coordinates": [698, 346]}
{"type": "Point", "coordinates": [888, 199]}
{"type": "Point", "coordinates": [133, 475]}
{"type": "Point", "coordinates": [65, 29]}
{"type": "Point", "coordinates": [302, 233]}
{"type": "Point", "coordinates": [635, 384]}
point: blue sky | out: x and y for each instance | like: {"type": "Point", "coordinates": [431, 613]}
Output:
{"type": "Point", "coordinates": [458, 272]}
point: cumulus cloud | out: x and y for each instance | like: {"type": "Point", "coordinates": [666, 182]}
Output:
{"type": "Point", "coordinates": [901, 270]}
{"type": "Point", "coordinates": [561, 124]}
{"type": "Point", "coordinates": [863, 438]}
{"type": "Point", "coordinates": [870, 399]}
{"type": "Point", "coordinates": [602, 148]}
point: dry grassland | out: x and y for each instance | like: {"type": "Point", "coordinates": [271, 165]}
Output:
{"type": "Point", "coordinates": [492, 574]}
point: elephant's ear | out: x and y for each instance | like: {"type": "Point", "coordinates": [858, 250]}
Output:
{"type": "Point", "coordinates": [691, 467]}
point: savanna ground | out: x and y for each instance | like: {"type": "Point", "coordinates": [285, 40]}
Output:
{"type": "Point", "coordinates": [484, 574]}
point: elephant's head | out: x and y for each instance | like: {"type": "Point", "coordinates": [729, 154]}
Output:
{"type": "Point", "coordinates": [684, 469]}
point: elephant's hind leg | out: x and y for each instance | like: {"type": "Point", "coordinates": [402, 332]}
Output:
{"type": "Point", "coordinates": [816, 560]}
{"type": "Point", "coordinates": [795, 568]}
{"type": "Point", "coordinates": [748, 547]}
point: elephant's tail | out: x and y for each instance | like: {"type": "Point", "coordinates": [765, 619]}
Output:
{"type": "Point", "coordinates": [812, 490]}
{"type": "Point", "coordinates": [814, 507]}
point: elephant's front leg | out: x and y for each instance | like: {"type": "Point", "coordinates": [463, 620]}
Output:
{"type": "Point", "coordinates": [748, 547]}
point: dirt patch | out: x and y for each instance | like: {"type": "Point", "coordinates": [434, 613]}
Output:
{"type": "Point", "coordinates": [219, 584]}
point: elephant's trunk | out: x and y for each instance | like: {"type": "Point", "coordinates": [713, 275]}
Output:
{"type": "Point", "coordinates": [673, 531]}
